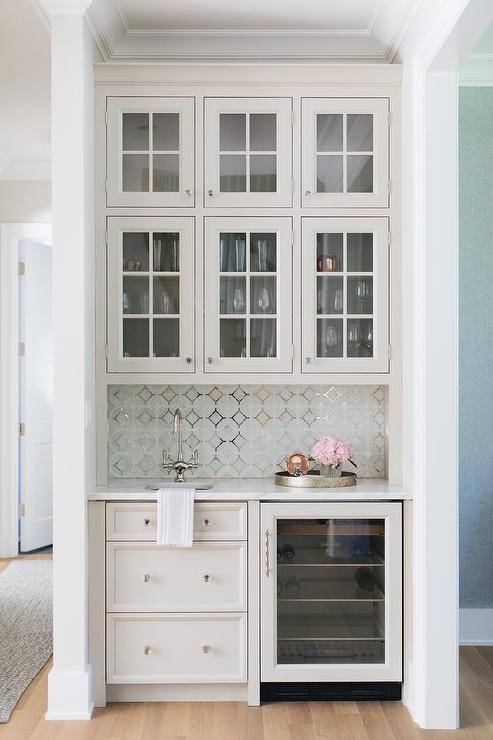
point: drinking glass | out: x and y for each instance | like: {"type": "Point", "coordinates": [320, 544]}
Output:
{"type": "Point", "coordinates": [331, 336]}
{"type": "Point", "coordinates": [263, 299]}
{"type": "Point", "coordinates": [238, 300]}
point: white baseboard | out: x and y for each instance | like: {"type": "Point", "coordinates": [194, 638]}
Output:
{"type": "Point", "coordinates": [476, 626]}
{"type": "Point", "coordinates": [176, 692]}
{"type": "Point", "coordinates": [69, 695]}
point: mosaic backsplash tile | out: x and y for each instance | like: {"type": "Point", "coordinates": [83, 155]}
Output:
{"type": "Point", "coordinates": [241, 430]}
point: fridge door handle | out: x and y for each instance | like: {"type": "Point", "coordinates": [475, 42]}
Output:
{"type": "Point", "coordinates": [266, 552]}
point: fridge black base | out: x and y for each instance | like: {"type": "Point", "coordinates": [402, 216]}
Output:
{"type": "Point", "coordinates": [368, 691]}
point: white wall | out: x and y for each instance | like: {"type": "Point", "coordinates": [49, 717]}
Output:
{"type": "Point", "coordinates": [25, 201]}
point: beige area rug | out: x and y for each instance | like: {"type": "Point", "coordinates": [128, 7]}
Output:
{"type": "Point", "coordinates": [26, 627]}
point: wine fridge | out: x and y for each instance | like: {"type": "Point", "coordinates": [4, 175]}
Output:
{"type": "Point", "coordinates": [331, 600]}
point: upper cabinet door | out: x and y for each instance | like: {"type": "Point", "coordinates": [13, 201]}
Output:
{"type": "Point", "coordinates": [345, 152]}
{"type": "Point", "coordinates": [248, 325]}
{"type": "Point", "coordinates": [345, 295]}
{"type": "Point", "coordinates": [248, 152]}
{"type": "Point", "coordinates": [150, 295]}
{"type": "Point", "coordinates": [150, 152]}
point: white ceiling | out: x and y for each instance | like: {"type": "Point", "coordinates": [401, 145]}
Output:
{"type": "Point", "coordinates": [127, 29]}
{"type": "Point", "coordinates": [25, 92]}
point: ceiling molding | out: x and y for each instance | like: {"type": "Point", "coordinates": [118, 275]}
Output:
{"type": "Point", "coordinates": [65, 7]}
{"type": "Point", "coordinates": [391, 25]}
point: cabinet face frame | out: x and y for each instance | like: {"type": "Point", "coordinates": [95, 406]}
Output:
{"type": "Point", "coordinates": [115, 195]}
{"type": "Point", "coordinates": [117, 226]}
{"type": "Point", "coordinates": [379, 109]}
{"type": "Point", "coordinates": [213, 362]}
{"type": "Point", "coordinates": [283, 109]}
{"type": "Point", "coordinates": [379, 227]}
{"type": "Point", "coordinates": [391, 669]}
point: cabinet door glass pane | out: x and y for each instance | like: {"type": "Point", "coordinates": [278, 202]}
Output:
{"type": "Point", "coordinates": [135, 298]}
{"type": "Point", "coordinates": [135, 337]}
{"type": "Point", "coordinates": [263, 295]}
{"type": "Point", "coordinates": [232, 252]}
{"type": "Point", "coordinates": [232, 337]}
{"type": "Point", "coordinates": [329, 253]}
{"type": "Point", "coordinates": [135, 173]}
{"type": "Point", "coordinates": [165, 173]}
{"type": "Point", "coordinates": [166, 337]}
{"type": "Point", "coordinates": [330, 591]}
{"type": "Point", "coordinates": [360, 338]}
{"type": "Point", "coordinates": [166, 292]}
{"type": "Point", "coordinates": [135, 251]}
{"type": "Point", "coordinates": [263, 338]}
{"type": "Point", "coordinates": [233, 173]}
{"type": "Point", "coordinates": [232, 132]}
{"type": "Point", "coordinates": [233, 295]}
{"type": "Point", "coordinates": [359, 132]}
{"type": "Point", "coordinates": [166, 252]}
{"type": "Point", "coordinates": [329, 132]}
{"type": "Point", "coordinates": [359, 173]}
{"type": "Point", "coordinates": [330, 295]}
{"type": "Point", "coordinates": [263, 132]}
{"type": "Point", "coordinates": [263, 253]}
{"type": "Point", "coordinates": [360, 252]}
{"type": "Point", "coordinates": [263, 177]}
{"type": "Point", "coordinates": [166, 132]}
{"type": "Point", "coordinates": [330, 338]}
{"type": "Point", "coordinates": [329, 173]}
{"type": "Point", "coordinates": [135, 132]}
{"type": "Point", "coordinates": [360, 295]}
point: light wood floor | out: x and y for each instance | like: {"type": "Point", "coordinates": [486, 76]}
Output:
{"type": "Point", "coordinates": [280, 721]}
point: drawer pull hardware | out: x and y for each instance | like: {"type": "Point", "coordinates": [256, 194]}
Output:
{"type": "Point", "coordinates": [308, 360]}
{"type": "Point", "coordinates": [206, 578]}
{"type": "Point", "coordinates": [210, 193]}
{"type": "Point", "coordinates": [147, 650]}
{"type": "Point", "coordinates": [147, 522]}
{"type": "Point", "coordinates": [188, 193]}
{"type": "Point", "coordinates": [206, 522]}
{"type": "Point", "coordinates": [210, 360]}
{"type": "Point", "coordinates": [205, 649]}
{"type": "Point", "coordinates": [146, 578]}
{"type": "Point", "coordinates": [267, 568]}
{"type": "Point", "coordinates": [188, 360]}
{"type": "Point", "coordinates": [308, 193]}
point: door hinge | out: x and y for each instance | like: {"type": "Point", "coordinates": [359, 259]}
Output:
{"type": "Point", "coordinates": [389, 186]}
{"type": "Point", "coordinates": [389, 118]}
{"type": "Point", "coordinates": [106, 351]}
{"type": "Point", "coordinates": [21, 270]}
{"type": "Point", "coordinates": [105, 184]}
{"type": "Point", "coordinates": [292, 238]}
{"type": "Point", "coordinates": [389, 238]}
{"type": "Point", "coordinates": [106, 237]}
{"type": "Point", "coordinates": [292, 186]}
{"type": "Point", "coordinates": [22, 348]}
{"type": "Point", "coordinates": [106, 116]}
{"type": "Point", "coordinates": [22, 429]}
{"type": "Point", "coordinates": [292, 351]}
{"type": "Point", "coordinates": [22, 510]}
{"type": "Point", "coordinates": [389, 351]}
{"type": "Point", "coordinates": [292, 117]}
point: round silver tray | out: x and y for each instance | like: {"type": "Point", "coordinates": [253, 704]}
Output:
{"type": "Point", "coordinates": [313, 479]}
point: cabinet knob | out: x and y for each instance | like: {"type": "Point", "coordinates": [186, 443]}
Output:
{"type": "Point", "coordinates": [210, 360]}
{"type": "Point", "coordinates": [188, 193]}
{"type": "Point", "coordinates": [308, 360]}
{"type": "Point", "coordinates": [147, 522]}
{"type": "Point", "coordinates": [308, 193]}
{"type": "Point", "coordinates": [188, 360]}
{"type": "Point", "coordinates": [206, 522]}
{"type": "Point", "coordinates": [205, 649]}
{"type": "Point", "coordinates": [210, 193]}
{"type": "Point", "coordinates": [146, 578]}
{"type": "Point", "coordinates": [206, 578]}
{"type": "Point", "coordinates": [147, 650]}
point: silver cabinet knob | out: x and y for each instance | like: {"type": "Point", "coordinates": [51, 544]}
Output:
{"type": "Point", "coordinates": [146, 578]}
{"type": "Point", "coordinates": [205, 649]}
{"type": "Point", "coordinates": [210, 360]}
{"type": "Point", "coordinates": [188, 193]}
{"type": "Point", "coordinates": [188, 360]}
{"type": "Point", "coordinates": [147, 522]}
{"type": "Point", "coordinates": [210, 193]}
{"type": "Point", "coordinates": [308, 193]}
{"type": "Point", "coordinates": [147, 650]}
{"type": "Point", "coordinates": [308, 360]}
{"type": "Point", "coordinates": [206, 522]}
{"type": "Point", "coordinates": [206, 578]}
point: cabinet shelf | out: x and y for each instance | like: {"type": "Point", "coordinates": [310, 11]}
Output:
{"type": "Point", "coordinates": [318, 557]}
{"type": "Point", "coordinates": [328, 627]}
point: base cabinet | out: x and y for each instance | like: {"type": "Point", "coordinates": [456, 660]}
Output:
{"type": "Point", "coordinates": [331, 592]}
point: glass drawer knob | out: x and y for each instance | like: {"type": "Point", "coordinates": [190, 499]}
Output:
{"type": "Point", "coordinates": [210, 193]}
{"type": "Point", "coordinates": [210, 360]}
{"type": "Point", "coordinates": [147, 522]}
{"type": "Point", "coordinates": [188, 193]}
{"type": "Point", "coordinates": [146, 578]}
{"type": "Point", "coordinates": [188, 360]}
{"type": "Point", "coordinates": [308, 360]}
{"type": "Point", "coordinates": [205, 649]}
{"type": "Point", "coordinates": [308, 193]}
{"type": "Point", "coordinates": [206, 522]}
{"type": "Point", "coordinates": [206, 578]}
{"type": "Point", "coordinates": [147, 650]}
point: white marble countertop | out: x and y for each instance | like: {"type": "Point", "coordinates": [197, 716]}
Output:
{"type": "Point", "coordinates": [245, 489]}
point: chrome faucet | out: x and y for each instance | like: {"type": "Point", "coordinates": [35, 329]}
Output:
{"type": "Point", "coordinates": [179, 465]}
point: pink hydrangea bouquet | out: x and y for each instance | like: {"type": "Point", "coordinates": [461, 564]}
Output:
{"type": "Point", "coordinates": [331, 452]}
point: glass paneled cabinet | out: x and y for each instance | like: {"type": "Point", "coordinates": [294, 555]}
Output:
{"type": "Point", "coordinates": [248, 294]}
{"type": "Point", "coordinates": [150, 294]}
{"type": "Point", "coordinates": [331, 592]}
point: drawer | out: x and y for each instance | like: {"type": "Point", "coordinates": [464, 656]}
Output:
{"type": "Point", "coordinates": [209, 576]}
{"type": "Point", "coordinates": [212, 521]}
{"type": "Point", "coordinates": [176, 648]}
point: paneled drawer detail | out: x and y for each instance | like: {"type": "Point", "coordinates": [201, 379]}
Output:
{"type": "Point", "coordinates": [212, 521]}
{"type": "Point", "coordinates": [176, 648]}
{"type": "Point", "coordinates": [205, 577]}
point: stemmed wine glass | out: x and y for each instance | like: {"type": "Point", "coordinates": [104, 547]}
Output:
{"type": "Point", "coordinates": [362, 292]}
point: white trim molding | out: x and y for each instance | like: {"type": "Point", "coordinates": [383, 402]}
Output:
{"type": "Point", "coordinates": [69, 695]}
{"type": "Point", "coordinates": [476, 626]}
{"type": "Point", "coordinates": [477, 71]}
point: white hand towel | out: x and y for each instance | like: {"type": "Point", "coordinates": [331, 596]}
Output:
{"type": "Point", "coordinates": [175, 517]}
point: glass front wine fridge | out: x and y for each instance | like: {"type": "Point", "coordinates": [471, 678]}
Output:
{"type": "Point", "coordinates": [331, 592]}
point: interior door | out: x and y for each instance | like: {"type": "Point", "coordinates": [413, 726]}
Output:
{"type": "Point", "coordinates": [35, 394]}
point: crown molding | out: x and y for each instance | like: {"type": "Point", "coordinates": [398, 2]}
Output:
{"type": "Point", "coordinates": [477, 71]}
{"type": "Point", "coordinates": [65, 7]}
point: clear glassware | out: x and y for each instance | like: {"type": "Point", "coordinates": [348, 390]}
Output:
{"type": "Point", "coordinates": [262, 255]}
{"type": "Point", "coordinates": [238, 300]}
{"type": "Point", "coordinates": [338, 300]}
{"type": "Point", "coordinates": [362, 291]}
{"type": "Point", "coordinates": [331, 336]}
{"type": "Point", "coordinates": [263, 299]}
{"type": "Point", "coordinates": [353, 333]}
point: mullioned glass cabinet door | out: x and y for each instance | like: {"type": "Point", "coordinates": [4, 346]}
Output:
{"type": "Point", "coordinates": [345, 295]}
{"type": "Point", "coordinates": [331, 592]}
{"type": "Point", "coordinates": [248, 152]}
{"type": "Point", "coordinates": [345, 152]}
{"type": "Point", "coordinates": [248, 301]}
{"type": "Point", "coordinates": [150, 295]}
{"type": "Point", "coordinates": [150, 152]}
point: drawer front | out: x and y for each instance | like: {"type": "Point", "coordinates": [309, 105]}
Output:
{"type": "Point", "coordinates": [147, 577]}
{"type": "Point", "coordinates": [176, 648]}
{"type": "Point", "coordinates": [212, 521]}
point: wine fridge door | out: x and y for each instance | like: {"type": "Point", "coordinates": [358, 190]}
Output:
{"type": "Point", "coordinates": [332, 592]}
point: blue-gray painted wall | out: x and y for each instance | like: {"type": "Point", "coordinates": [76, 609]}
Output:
{"type": "Point", "coordinates": [476, 346]}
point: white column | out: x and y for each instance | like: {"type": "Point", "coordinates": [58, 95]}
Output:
{"type": "Point", "coordinates": [69, 683]}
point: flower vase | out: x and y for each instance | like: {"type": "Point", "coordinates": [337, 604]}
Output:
{"type": "Point", "coordinates": [327, 471]}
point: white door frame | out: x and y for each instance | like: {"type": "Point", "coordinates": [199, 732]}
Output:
{"type": "Point", "coordinates": [431, 241]}
{"type": "Point", "coordinates": [10, 236]}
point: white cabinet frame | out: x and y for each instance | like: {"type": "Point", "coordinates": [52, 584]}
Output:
{"type": "Point", "coordinates": [391, 669]}
{"type": "Point", "coordinates": [379, 109]}
{"type": "Point", "coordinates": [283, 362]}
{"type": "Point", "coordinates": [379, 363]}
{"type": "Point", "coordinates": [116, 107]}
{"type": "Point", "coordinates": [184, 226]}
{"type": "Point", "coordinates": [213, 197]}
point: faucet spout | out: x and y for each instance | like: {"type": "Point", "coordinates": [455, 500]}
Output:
{"type": "Point", "coordinates": [177, 430]}
{"type": "Point", "coordinates": [180, 465]}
